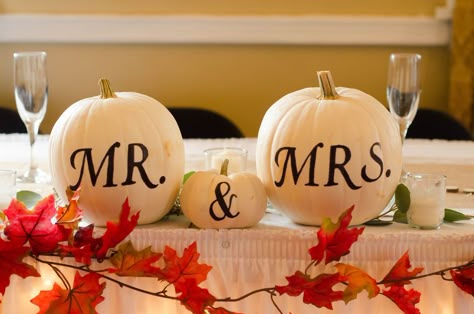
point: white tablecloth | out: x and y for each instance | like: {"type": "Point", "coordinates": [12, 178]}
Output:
{"type": "Point", "coordinates": [248, 259]}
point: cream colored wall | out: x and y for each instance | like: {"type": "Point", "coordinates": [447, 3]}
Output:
{"type": "Point", "coordinates": [240, 81]}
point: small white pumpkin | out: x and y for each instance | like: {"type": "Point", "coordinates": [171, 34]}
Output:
{"type": "Point", "coordinates": [114, 146]}
{"type": "Point", "coordinates": [322, 150]}
{"type": "Point", "coordinates": [217, 201]}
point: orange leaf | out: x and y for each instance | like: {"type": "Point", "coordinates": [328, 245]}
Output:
{"type": "Point", "coordinates": [130, 262]}
{"type": "Point", "coordinates": [335, 240]}
{"type": "Point", "coordinates": [357, 280]}
{"type": "Point", "coordinates": [400, 271]}
{"type": "Point", "coordinates": [181, 268]}
{"type": "Point", "coordinates": [84, 296]}
{"type": "Point", "coordinates": [70, 215]}
{"type": "Point", "coordinates": [11, 263]}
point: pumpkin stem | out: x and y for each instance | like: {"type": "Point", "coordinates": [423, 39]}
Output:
{"type": "Point", "coordinates": [105, 89]}
{"type": "Point", "coordinates": [224, 167]}
{"type": "Point", "coordinates": [328, 89]}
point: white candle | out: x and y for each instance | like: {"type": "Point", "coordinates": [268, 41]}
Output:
{"type": "Point", "coordinates": [426, 212]}
{"type": "Point", "coordinates": [237, 159]}
{"type": "Point", "coordinates": [428, 195]}
{"type": "Point", "coordinates": [4, 201]}
{"type": "Point", "coordinates": [7, 187]}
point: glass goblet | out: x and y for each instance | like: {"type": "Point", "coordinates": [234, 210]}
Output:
{"type": "Point", "coordinates": [31, 96]}
{"type": "Point", "coordinates": [404, 88]}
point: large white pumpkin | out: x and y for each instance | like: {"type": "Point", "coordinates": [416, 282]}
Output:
{"type": "Point", "coordinates": [322, 150]}
{"type": "Point", "coordinates": [117, 146]}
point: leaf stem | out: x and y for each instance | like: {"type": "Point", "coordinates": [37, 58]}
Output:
{"type": "Point", "coordinates": [271, 291]}
{"type": "Point", "coordinates": [55, 265]}
{"type": "Point", "coordinates": [393, 208]}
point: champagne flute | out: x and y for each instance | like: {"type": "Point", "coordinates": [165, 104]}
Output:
{"type": "Point", "coordinates": [31, 95]}
{"type": "Point", "coordinates": [404, 88]}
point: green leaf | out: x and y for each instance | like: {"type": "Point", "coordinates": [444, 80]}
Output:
{"type": "Point", "coordinates": [402, 198]}
{"type": "Point", "coordinates": [377, 222]}
{"type": "Point", "coordinates": [400, 217]}
{"type": "Point", "coordinates": [187, 175]}
{"type": "Point", "coordinates": [29, 198]}
{"type": "Point", "coordinates": [450, 215]}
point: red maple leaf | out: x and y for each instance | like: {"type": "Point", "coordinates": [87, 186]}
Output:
{"type": "Point", "coordinates": [11, 262]}
{"type": "Point", "coordinates": [84, 296]}
{"type": "Point", "coordinates": [85, 236]}
{"type": "Point", "coordinates": [317, 291]}
{"type": "Point", "coordinates": [116, 232]}
{"type": "Point", "coordinates": [399, 273]}
{"type": "Point", "coordinates": [179, 269]}
{"type": "Point", "coordinates": [35, 226]}
{"type": "Point", "coordinates": [193, 297]}
{"type": "Point", "coordinates": [464, 279]}
{"type": "Point", "coordinates": [335, 239]}
{"type": "Point", "coordinates": [130, 262]}
{"type": "Point", "coordinates": [83, 254]}
{"type": "Point", "coordinates": [406, 300]}
{"type": "Point", "coordinates": [84, 245]}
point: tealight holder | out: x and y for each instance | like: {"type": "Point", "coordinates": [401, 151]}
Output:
{"type": "Point", "coordinates": [7, 187]}
{"type": "Point", "coordinates": [214, 157]}
{"type": "Point", "coordinates": [428, 197]}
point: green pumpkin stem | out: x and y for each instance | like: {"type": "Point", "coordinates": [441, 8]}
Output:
{"type": "Point", "coordinates": [328, 89]}
{"type": "Point", "coordinates": [224, 167]}
{"type": "Point", "coordinates": [105, 89]}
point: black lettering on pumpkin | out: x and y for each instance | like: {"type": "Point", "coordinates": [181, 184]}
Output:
{"type": "Point", "coordinates": [290, 157]}
{"type": "Point", "coordinates": [87, 162]}
{"type": "Point", "coordinates": [220, 200]}
{"type": "Point", "coordinates": [377, 160]}
{"type": "Point", "coordinates": [333, 166]}
{"type": "Point", "coordinates": [132, 164]}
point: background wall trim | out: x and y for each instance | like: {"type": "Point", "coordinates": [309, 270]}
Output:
{"type": "Point", "coordinates": [196, 29]}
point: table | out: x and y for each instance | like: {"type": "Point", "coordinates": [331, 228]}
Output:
{"type": "Point", "coordinates": [262, 256]}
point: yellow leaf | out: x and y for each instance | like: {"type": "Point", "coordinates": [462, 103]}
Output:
{"type": "Point", "coordinates": [357, 280]}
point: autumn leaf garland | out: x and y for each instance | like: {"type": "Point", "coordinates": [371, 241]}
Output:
{"type": "Point", "coordinates": [49, 231]}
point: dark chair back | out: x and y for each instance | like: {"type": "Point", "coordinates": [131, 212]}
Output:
{"type": "Point", "coordinates": [204, 123]}
{"type": "Point", "coordinates": [10, 121]}
{"type": "Point", "coordinates": [435, 124]}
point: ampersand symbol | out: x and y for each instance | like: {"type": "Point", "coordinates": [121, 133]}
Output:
{"type": "Point", "coordinates": [220, 200]}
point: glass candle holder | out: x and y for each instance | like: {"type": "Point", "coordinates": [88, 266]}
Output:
{"type": "Point", "coordinates": [214, 157]}
{"type": "Point", "coordinates": [428, 197]}
{"type": "Point", "coordinates": [7, 187]}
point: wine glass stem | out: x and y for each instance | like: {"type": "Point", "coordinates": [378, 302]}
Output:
{"type": "Point", "coordinates": [403, 133]}
{"type": "Point", "coordinates": [32, 129]}
{"type": "Point", "coordinates": [403, 130]}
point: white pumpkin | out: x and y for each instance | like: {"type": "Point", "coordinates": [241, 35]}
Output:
{"type": "Point", "coordinates": [117, 146]}
{"type": "Point", "coordinates": [322, 150]}
{"type": "Point", "coordinates": [217, 201]}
